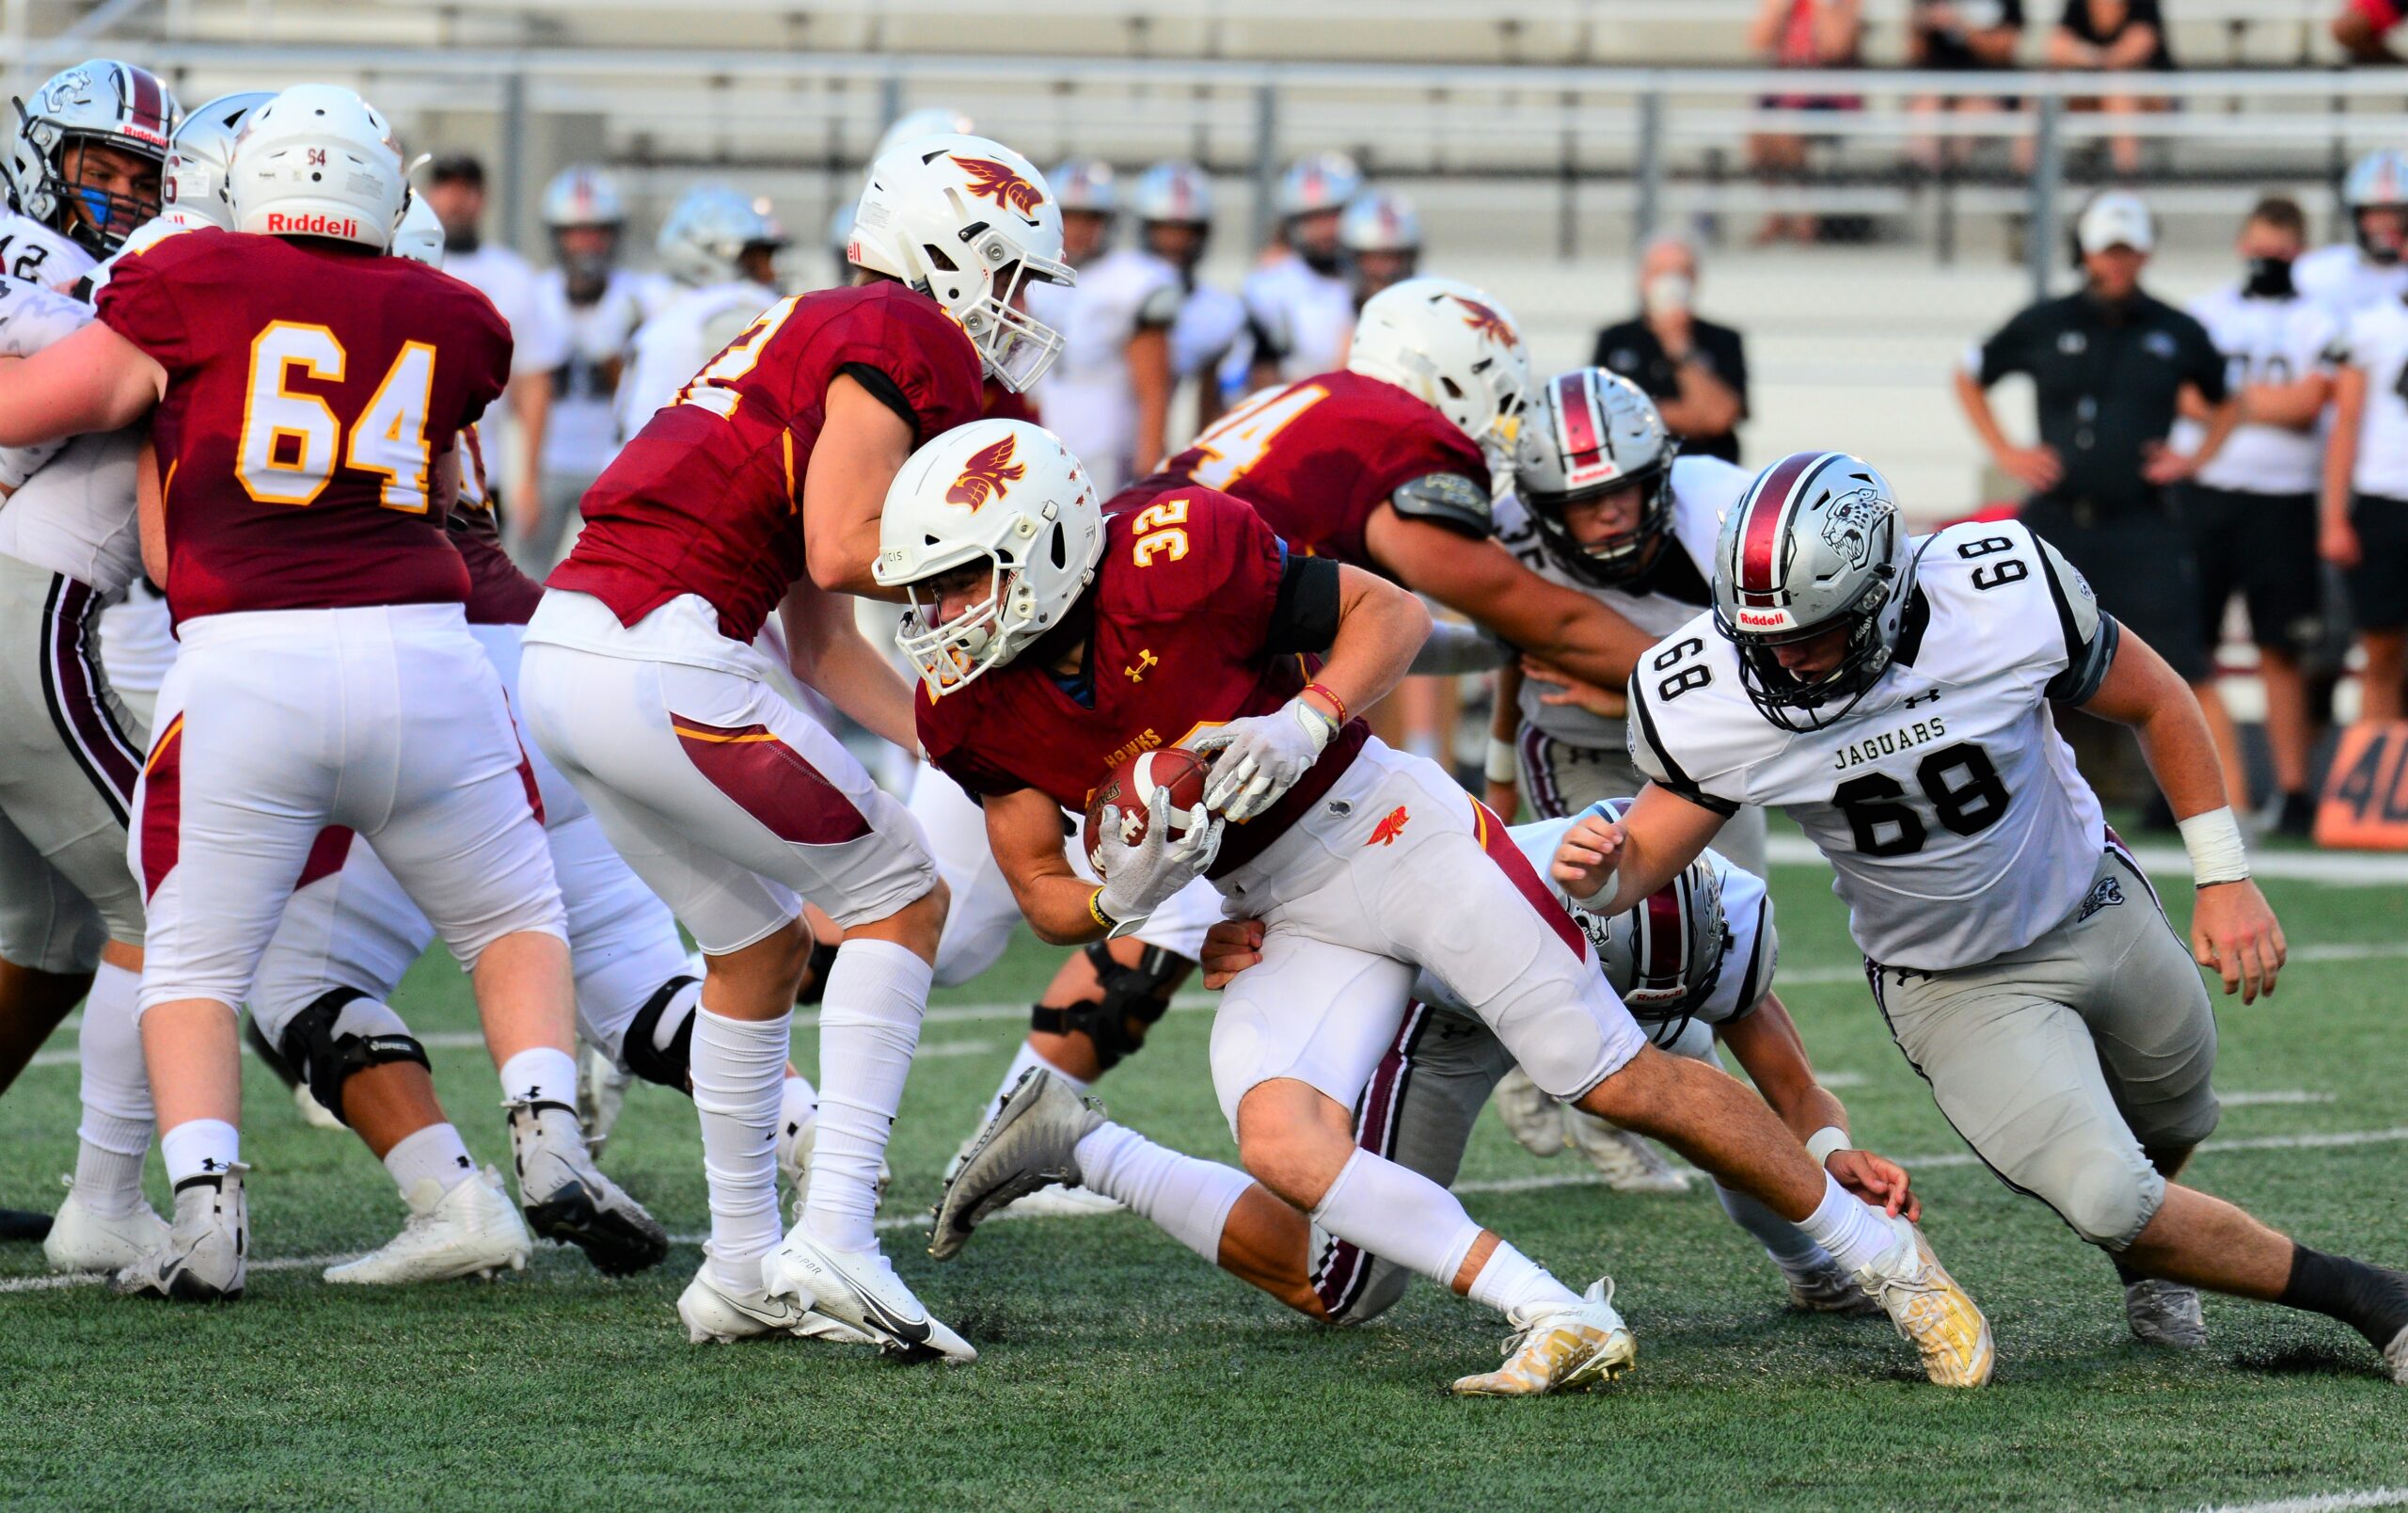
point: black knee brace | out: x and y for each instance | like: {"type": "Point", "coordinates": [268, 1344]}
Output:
{"type": "Point", "coordinates": [327, 1059]}
{"type": "Point", "coordinates": [1134, 997]}
{"type": "Point", "coordinates": [815, 976]}
{"type": "Point", "coordinates": [649, 1061]}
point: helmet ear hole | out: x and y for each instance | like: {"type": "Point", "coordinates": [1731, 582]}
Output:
{"type": "Point", "coordinates": [937, 259]}
{"type": "Point", "coordinates": [1455, 390]}
{"type": "Point", "coordinates": [1061, 548]}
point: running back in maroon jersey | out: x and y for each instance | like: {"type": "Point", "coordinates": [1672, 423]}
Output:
{"type": "Point", "coordinates": [707, 499]}
{"type": "Point", "coordinates": [311, 387]}
{"type": "Point", "coordinates": [1176, 626]}
{"type": "Point", "coordinates": [1317, 456]}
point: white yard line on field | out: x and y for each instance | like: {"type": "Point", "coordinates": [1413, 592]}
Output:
{"type": "Point", "coordinates": [2320, 1503]}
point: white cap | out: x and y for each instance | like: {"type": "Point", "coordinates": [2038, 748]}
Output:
{"type": "Point", "coordinates": [2115, 219]}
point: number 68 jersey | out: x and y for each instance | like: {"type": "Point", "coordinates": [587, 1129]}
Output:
{"type": "Point", "coordinates": [1947, 803]}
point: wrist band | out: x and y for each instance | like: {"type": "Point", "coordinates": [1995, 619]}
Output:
{"type": "Point", "coordinates": [1504, 763]}
{"type": "Point", "coordinates": [1095, 910]}
{"type": "Point", "coordinates": [1825, 1141]}
{"type": "Point", "coordinates": [1335, 702]}
{"type": "Point", "coordinates": [2214, 840]}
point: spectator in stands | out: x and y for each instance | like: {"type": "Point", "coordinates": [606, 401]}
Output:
{"type": "Point", "coordinates": [2251, 511]}
{"type": "Point", "coordinates": [2109, 364]}
{"type": "Point", "coordinates": [455, 191]}
{"type": "Point", "coordinates": [1961, 36]}
{"type": "Point", "coordinates": [2113, 37]}
{"type": "Point", "coordinates": [1695, 371]}
{"type": "Point", "coordinates": [1799, 34]}
{"type": "Point", "coordinates": [2362, 27]}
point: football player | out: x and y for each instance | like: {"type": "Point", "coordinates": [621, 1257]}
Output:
{"type": "Point", "coordinates": [297, 366]}
{"type": "Point", "coordinates": [1299, 306]}
{"type": "Point", "coordinates": [1173, 205]}
{"type": "Point", "coordinates": [2362, 525]}
{"type": "Point", "coordinates": [2367, 270]}
{"type": "Point", "coordinates": [1694, 966]}
{"type": "Point", "coordinates": [1893, 696]}
{"type": "Point", "coordinates": [1110, 395]}
{"type": "Point", "coordinates": [759, 487]}
{"type": "Point", "coordinates": [1025, 616]}
{"type": "Point", "coordinates": [84, 171]}
{"type": "Point", "coordinates": [1382, 235]}
{"type": "Point", "coordinates": [720, 247]}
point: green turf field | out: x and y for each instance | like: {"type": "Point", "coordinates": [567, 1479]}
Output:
{"type": "Point", "coordinates": [1119, 1372]}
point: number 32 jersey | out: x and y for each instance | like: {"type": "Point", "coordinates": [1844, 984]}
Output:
{"type": "Point", "coordinates": [1947, 803]}
{"type": "Point", "coordinates": [310, 388]}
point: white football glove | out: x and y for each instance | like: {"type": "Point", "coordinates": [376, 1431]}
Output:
{"type": "Point", "coordinates": [1138, 879]}
{"type": "Point", "coordinates": [1261, 757]}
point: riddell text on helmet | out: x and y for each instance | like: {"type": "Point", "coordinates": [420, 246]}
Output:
{"type": "Point", "coordinates": [283, 225]}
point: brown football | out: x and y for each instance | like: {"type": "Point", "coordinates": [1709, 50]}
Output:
{"type": "Point", "coordinates": [1129, 786]}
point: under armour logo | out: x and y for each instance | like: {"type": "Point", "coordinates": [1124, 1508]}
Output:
{"type": "Point", "coordinates": [1145, 659]}
{"type": "Point", "coordinates": [1930, 697]}
{"type": "Point", "coordinates": [210, 1163]}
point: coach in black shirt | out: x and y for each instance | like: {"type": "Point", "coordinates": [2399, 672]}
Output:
{"type": "Point", "coordinates": [1695, 371]}
{"type": "Point", "coordinates": [2109, 366]}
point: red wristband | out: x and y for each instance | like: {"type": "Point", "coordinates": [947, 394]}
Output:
{"type": "Point", "coordinates": [1336, 703]}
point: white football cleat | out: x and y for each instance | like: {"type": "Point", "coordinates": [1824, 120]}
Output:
{"type": "Point", "coordinates": [601, 1094]}
{"type": "Point", "coordinates": [1535, 1119]}
{"type": "Point", "coordinates": [2165, 1313]}
{"type": "Point", "coordinates": [469, 1231]}
{"type": "Point", "coordinates": [567, 1200]}
{"type": "Point", "coordinates": [860, 1290]}
{"type": "Point", "coordinates": [1930, 1311]}
{"type": "Point", "coordinates": [1829, 1289]}
{"type": "Point", "coordinates": [1030, 1144]}
{"type": "Point", "coordinates": [204, 1259]}
{"type": "Point", "coordinates": [314, 1113]}
{"type": "Point", "coordinates": [83, 1239]}
{"type": "Point", "coordinates": [1576, 1347]}
{"type": "Point", "coordinates": [714, 1314]}
{"type": "Point", "coordinates": [1628, 1162]}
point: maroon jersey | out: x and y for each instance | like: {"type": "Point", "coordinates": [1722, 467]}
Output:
{"type": "Point", "coordinates": [311, 387]}
{"type": "Point", "coordinates": [1176, 626]}
{"type": "Point", "coordinates": [1317, 456]}
{"type": "Point", "coordinates": [498, 593]}
{"type": "Point", "coordinates": [707, 499]}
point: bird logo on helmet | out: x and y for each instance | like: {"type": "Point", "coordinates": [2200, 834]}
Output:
{"type": "Point", "coordinates": [998, 181]}
{"type": "Point", "coordinates": [987, 474]}
{"type": "Point", "coordinates": [1487, 321]}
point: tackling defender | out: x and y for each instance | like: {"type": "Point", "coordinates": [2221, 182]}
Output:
{"type": "Point", "coordinates": [1893, 695]}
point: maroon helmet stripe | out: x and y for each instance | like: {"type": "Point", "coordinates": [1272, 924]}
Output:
{"type": "Point", "coordinates": [147, 105]}
{"type": "Point", "coordinates": [1578, 409]}
{"type": "Point", "coordinates": [1660, 935]}
{"type": "Point", "coordinates": [1760, 542]}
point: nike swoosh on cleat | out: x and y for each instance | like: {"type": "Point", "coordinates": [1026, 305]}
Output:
{"type": "Point", "coordinates": [908, 1330]}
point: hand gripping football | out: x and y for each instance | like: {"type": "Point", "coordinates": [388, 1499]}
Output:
{"type": "Point", "coordinates": [1130, 788]}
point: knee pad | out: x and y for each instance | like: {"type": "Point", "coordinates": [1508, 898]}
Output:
{"type": "Point", "coordinates": [1134, 1001]}
{"type": "Point", "coordinates": [1382, 1285]}
{"type": "Point", "coordinates": [342, 1032]}
{"type": "Point", "coordinates": [2109, 1205]}
{"type": "Point", "coordinates": [645, 1058]}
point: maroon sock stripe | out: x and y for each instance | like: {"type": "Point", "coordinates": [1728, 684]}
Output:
{"type": "Point", "coordinates": [1342, 1269]}
{"type": "Point", "coordinates": [70, 686]}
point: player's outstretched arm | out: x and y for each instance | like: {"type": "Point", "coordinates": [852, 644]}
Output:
{"type": "Point", "coordinates": [828, 652]}
{"type": "Point", "coordinates": [1481, 580]}
{"type": "Point", "coordinates": [2233, 932]}
{"type": "Point", "coordinates": [94, 380]}
{"type": "Point", "coordinates": [1768, 1044]}
{"type": "Point", "coordinates": [861, 448]}
{"type": "Point", "coordinates": [1608, 865]}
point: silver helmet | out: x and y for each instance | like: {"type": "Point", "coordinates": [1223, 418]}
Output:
{"type": "Point", "coordinates": [103, 103]}
{"type": "Point", "coordinates": [707, 233]}
{"type": "Point", "coordinates": [1176, 192]}
{"type": "Point", "coordinates": [2378, 180]}
{"type": "Point", "coordinates": [1664, 957]}
{"type": "Point", "coordinates": [200, 155]}
{"type": "Point", "coordinates": [1591, 433]}
{"type": "Point", "coordinates": [1816, 545]}
{"type": "Point", "coordinates": [1380, 220]}
{"type": "Point", "coordinates": [1083, 183]}
{"type": "Point", "coordinates": [582, 195]}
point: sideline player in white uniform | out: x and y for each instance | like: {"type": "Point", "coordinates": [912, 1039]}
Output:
{"type": "Point", "coordinates": [1300, 309]}
{"type": "Point", "coordinates": [85, 167]}
{"type": "Point", "coordinates": [1381, 235]}
{"type": "Point", "coordinates": [1109, 396]}
{"type": "Point", "coordinates": [720, 247]}
{"type": "Point", "coordinates": [2252, 510]}
{"type": "Point", "coordinates": [1694, 966]}
{"type": "Point", "coordinates": [1893, 696]}
{"type": "Point", "coordinates": [597, 305]}
{"type": "Point", "coordinates": [2365, 492]}
{"type": "Point", "coordinates": [1172, 203]}
{"type": "Point", "coordinates": [2367, 270]}
{"type": "Point", "coordinates": [277, 706]}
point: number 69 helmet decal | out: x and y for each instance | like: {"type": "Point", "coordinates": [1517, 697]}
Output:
{"type": "Point", "coordinates": [1814, 546]}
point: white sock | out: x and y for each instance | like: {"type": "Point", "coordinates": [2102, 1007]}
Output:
{"type": "Point", "coordinates": [1511, 1284]}
{"type": "Point", "coordinates": [798, 1106]}
{"type": "Point", "coordinates": [1187, 1199]}
{"type": "Point", "coordinates": [108, 1181]}
{"type": "Point", "coordinates": [433, 1154]}
{"type": "Point", "coordinates": [1856, 1233]}
{"type": "Point", "coordinates": [542, 1074]}
{"type": "Point", "coordinates": [114, 1134]}
{"type": "Point", "coordinates": [1792, 1249]}
{"type": "Point", "coordinates": [739, 1070]}
{"type": "Point", "coordinates": [1387, 1210]}
{"type": "Point", "coordinates": [1022, 1060]}
{"type": "Point", "coordinates": [869, 1026]}
{"type": "Point", "coordinates": [199, 1147]}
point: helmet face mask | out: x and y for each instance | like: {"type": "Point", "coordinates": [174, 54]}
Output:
{"type": "Point", "coordinates": [2376, 192]}
{"type": "Point", "coordinates": [1588, 435]}
{"type": "Point", "coordinates": [120, 110]}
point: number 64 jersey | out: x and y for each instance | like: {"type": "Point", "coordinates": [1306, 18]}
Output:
{"type": "Point", "coordinates": [1947, 803]}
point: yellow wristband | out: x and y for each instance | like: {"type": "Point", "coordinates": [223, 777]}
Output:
{"type": "Point", "coordinates": [1095, 910]}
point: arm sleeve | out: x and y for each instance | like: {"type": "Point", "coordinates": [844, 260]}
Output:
{"type": "Point", "coordinates": [883, 388]}
{"type": "Point", "coordinates": [1648, 755]}
{"type": "Point", "coordinates": [2090, 632]}
{"type": "Point", "coordinates": [1304, 615]}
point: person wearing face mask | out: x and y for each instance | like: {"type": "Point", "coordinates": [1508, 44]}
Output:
{"type": "Point", "coordinates": [2251, 508]}
{"type": "Point", "coordinates": [1694, 370]}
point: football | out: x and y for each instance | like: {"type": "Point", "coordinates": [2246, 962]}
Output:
{"type": "Point", "coordinates": [1131, 786]}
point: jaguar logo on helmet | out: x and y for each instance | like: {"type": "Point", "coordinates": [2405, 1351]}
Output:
{"type": "Point", "coordinates": [1484, 319]}
{"type": "Point", "coordinates": [1002, 184]}
{"type": "Point", "coordinates": [985, 475]}
{"type": "Point", "coordinates": [1850, 524]}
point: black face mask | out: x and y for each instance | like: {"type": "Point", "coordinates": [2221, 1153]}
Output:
{"type": "Point", "coordinates": [462, 241]}
{"type": "Point", "coordinates": [2270, 279]}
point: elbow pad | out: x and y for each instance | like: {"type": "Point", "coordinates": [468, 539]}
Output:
{"type": "Point", "coordinates": [1445, 499]}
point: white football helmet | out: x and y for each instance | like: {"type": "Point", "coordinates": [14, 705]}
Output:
{"type": "Point", "coordinates": [1453, 349]}
{"type": "Point", "coordinates": [707, 232]}
{"type": "Point", "coordinates": [1003, 494]}
{"type": "Point", "coordinates": [201, 154]}
{"type": "Point", "coordinates": [930, 120]}
{"type": "Point", "coordinates": [318, 161]}
{"type": "Point", "coordinates": [1664, 957]}
{"type": "Point", "coordinates": [1177, 192]}
{"type": "Point", "coordinates": [104, 102]}
{"type": "Point", "coordinates": [419, 237]}
{"type": "Point", "coordinates": [1380, 220]}
{"type": "Point", "coordinates": [1323, 180]}
{"type": "Point", "coordinates": [1083, 183]}
{"type": "Point", "coordinates": [967, 222]}
{"type": "Point", "coordinates": [582, 195]}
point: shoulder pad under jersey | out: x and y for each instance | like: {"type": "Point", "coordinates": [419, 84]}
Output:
{"type": "Point", "coordinates": [1445, 499]}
